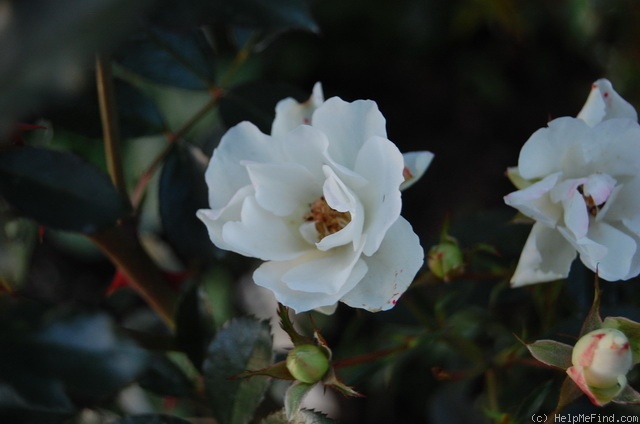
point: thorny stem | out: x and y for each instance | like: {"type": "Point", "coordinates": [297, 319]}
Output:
{"type": "Point", "coordinates": [143, 181]}
{"type": "Point", "coordinates": [216, 93]}
{"type": "Point", "coordinates": [125, 251]}
{"type": "Point", "coordinates": [123, 248]}
{"type": "Point", "coordinates": [109, 118]}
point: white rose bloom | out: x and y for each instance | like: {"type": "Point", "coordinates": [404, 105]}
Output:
{"type": "Point", "coordinates": [579, 180]}
{"type": "Point", "coordinates": [319, 201]}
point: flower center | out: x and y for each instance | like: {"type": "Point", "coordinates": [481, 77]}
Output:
{"type": "Point", "coordinates": [327, 220]}
{"type": "Point", "coordinates": [592, 206]}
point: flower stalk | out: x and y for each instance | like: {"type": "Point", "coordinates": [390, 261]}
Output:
{"type": "Point", "coordinates": [121, 247]}
{"type": "Point", "coordinates": [125, 252]}
{"type": "Point", "coordinates": [109, 118]}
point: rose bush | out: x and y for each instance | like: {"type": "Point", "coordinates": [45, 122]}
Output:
{"type": "Point", "coordinates": [579, 180]}
{"type": "Point", "coordinates": [318, 200]}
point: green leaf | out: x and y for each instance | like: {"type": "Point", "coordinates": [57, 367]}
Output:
{"type": "Point", "coordinates": [271, 16]}
{"type": "Point", "coordinates": [182, 191]}
{"type": "Point", "coordinates": [59, 190]}
{"type": "Point", "coordinates": [138, 114]}
{"type": "Point", "coordinates": [152, 419]}
{"type": "Point", "coordinates": [275, 15]}
{"type": "Point", "coordinates": [182, 60]}
{"type": "Point", "coordinates": [244, 344]}
{"type": "Point", "coordinates": [53, 358]}
{"type": "Point", "coordinates": [256, 102]}
{"type": "Point", "coordinates": [533, 402]}
{"type": "Point", "coordinates": [293, 398]}
{"type": "Point", "coordinates": [631, 329]}
{"type": "Point", "coordinates": [194, 325]}
{"type": "Point", "coordinates": [552, 353]}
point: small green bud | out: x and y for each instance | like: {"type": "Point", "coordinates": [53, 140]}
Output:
{"type": "Point", "coordinates": [445, 259]}
{"type": "Point", "coordinates": [307, 363]}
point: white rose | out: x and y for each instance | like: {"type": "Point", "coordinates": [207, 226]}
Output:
{"type": "Point", "coordinates": [578, 180]}
{"type": "Point", "coordinates": [319, 201]}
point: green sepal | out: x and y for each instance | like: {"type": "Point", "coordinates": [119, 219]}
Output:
{"type": "Point", "coordinates": [628, 395]}
{"type": "Point", "coordinates": [332, 380]}
{"type": "Point", "coordinates": [631, 329]}
{"type": "Point", "coordinates": [278, 370]}
{"type": "Point", "coordinates": [287, 325]}
{"type": "Point", "coordinates": [516, 179]}
{"type": "Point", "coordinates": [551, 352]}
{"type": "Point", "coordinates": [293, 398]}
{"type": "Point", "coordinates": [606, 395]}
{"type": "Point", "coordinates": [593, 321]}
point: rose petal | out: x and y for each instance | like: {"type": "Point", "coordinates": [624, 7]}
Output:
{"type": "Point", "coordinates": [263, 235]}
{"type": "Point", "coordinates": [416, 163]}
{"type": "Point", "coordinates": [381, 163]}
{"type": "Point", "coordinates": [307, 146]}
{"type": "Point", "coordinates": [613, 148]}
{"type": "Point", "coordinates": [535, 202]}
{"type": "Point", "coordinates": [290, 114]}
{"type": "Point", "coordinates": [553, 149]}
{"type": "Point", "coordinates": [599, 187]}
{"type": "Point", "coordinates": [546, 256]}
{"type": "Point", "coordinates": [327, 310]}
{"type": "Point", "coordinates": [575, 212]}
{"type": "Point", "coordinates": [324, 272]}
{"type": "Point", "coordinates": [620, 249]}
{"type": "Point", "coordinates": [342, 199]}
{"type": "Point", "coordinates": [347, 126]}
{"type": "Point", "coordinates": [270, 275]}
{"type": "Point", "coordinates": [215, 219]}
{"type": "Point", "coordinates": [605, 103]}
{"type": "Point", "coordinates": [226, 174]}
{"type": "Point", "coordinates": [283, 188]}
{"type": "Point", "coordinates": [391, 270]}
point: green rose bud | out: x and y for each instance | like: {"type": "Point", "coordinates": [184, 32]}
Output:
{"type": "Point", "coordinates": [307, 363]}
{"type": "Point", "coordinates": [445, 259]}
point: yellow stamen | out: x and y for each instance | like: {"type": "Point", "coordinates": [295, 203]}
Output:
{"type": "Point", "coordinates": [327, 220]}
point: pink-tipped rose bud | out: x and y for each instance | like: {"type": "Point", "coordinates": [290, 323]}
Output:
{"type": "Point", "coordinates": [604, 356]}
{"type": "Point", "coordinates": [601, 360]}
